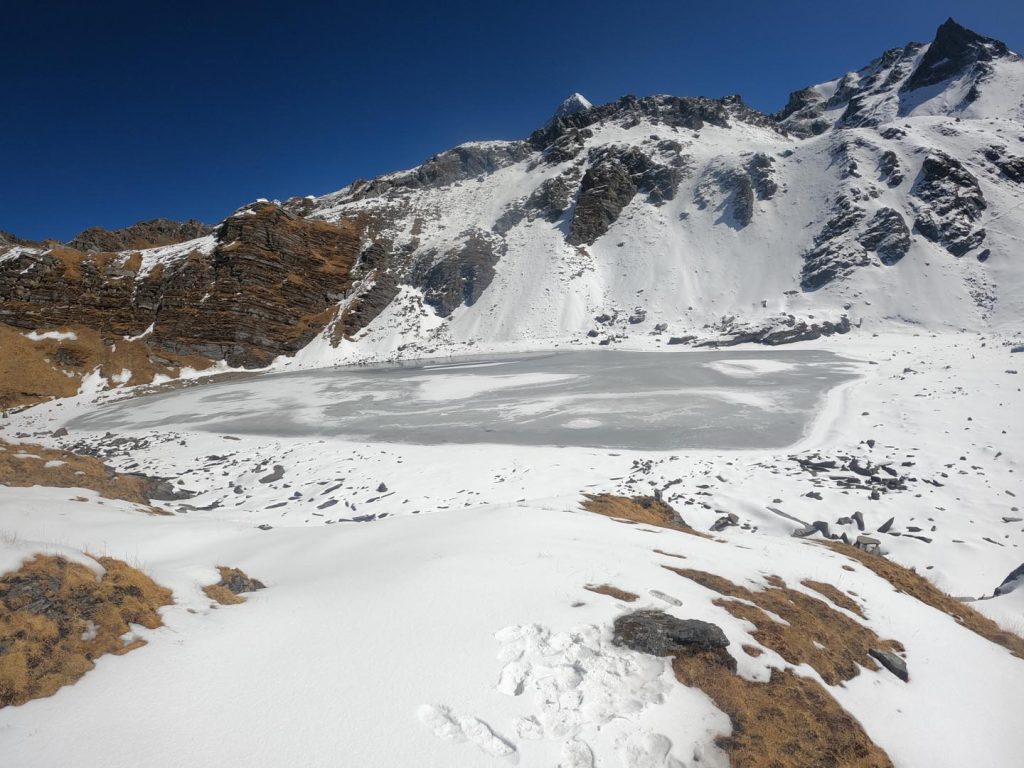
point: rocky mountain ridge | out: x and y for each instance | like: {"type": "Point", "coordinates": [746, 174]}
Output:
{"type": "Point", "coordinates": [888, 196]}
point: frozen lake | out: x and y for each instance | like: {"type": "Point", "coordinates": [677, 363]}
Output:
{"type": "Point", "coordinates": [595, 398]}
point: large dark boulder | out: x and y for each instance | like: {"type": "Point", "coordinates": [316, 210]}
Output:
{"type": "Point", "coordinates": [661, 634]}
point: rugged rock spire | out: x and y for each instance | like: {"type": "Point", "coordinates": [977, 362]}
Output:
{"type": "Point", "coordinates": [953, 50]}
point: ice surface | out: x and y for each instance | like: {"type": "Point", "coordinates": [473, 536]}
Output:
{"type": "Point", "coordinates": [603, 399]}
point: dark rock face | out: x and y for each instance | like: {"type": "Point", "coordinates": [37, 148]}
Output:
{"type": "Point", "coordinates": [761, 174]}
{"type": "Point", "coordinates": [736, 183]}
{"type": "Point", "coordinates": [953, 50]}
{"type": "Point", "coordinates": [735, 189]}
{"type": "Point", "coordinates": [889, 168]}
{"type": "Point", "coordinates": [145, 234]}
{"type": "Point", "coordinates": [660, 634]}
{"type": "Point", "coordinates": [378, 286]}
{"type": "Point", "coordinates": [954, 203]}
{"type": "Point", "coordinates": [887, 235]}
{"type": "Point", "coordinates": [832, 255]}
{"type": "Point", "coordinates": [606, 189]}
{"type": "Point", "coordinates": [1012, 581]}
{"type": "Point", "coordinates": [615, 176]}
{"type": "Point", "coordinates": [461, 277]}
{"type": "Point", "coordinates": [674, 111]}
{"type": "Point", "coordinates": [1010, 166]}
{"type": "Point", "coordinates": [892, 662]}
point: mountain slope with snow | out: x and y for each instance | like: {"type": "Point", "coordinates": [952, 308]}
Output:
{"type": "Point", "coordinates": [890, 196]}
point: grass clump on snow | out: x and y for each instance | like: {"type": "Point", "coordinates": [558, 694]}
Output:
{"type": "Point", "coordinates": [909, 582]}
{"type": "Point", "coordinates": [57, 617]}
{"type": "Point", "coordinates": [638, 509]}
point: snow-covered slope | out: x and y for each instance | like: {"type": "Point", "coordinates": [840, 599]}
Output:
{"type": "Point", "coordinates": [893, 195]}
{"type": "Point", "coordinates": [706, 218]}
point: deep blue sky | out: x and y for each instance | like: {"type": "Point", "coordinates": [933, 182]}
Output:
{"type": "Point", "coordinates": [114, 112]}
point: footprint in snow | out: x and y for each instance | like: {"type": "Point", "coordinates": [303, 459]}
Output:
{"type": "Point", "coordinates": [576, 754]}
{"type": "Point", "coordinates": [450, 727]}
{"type": "Point", "coordinates": [667, 598]}
{"type": "Point", "coordinates": [650, 750]}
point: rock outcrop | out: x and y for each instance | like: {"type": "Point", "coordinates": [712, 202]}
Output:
{"type": "Point", "coordinates": [145, 234]}
{"type": "Point", "coordinates": [953, 204]}
{"type": "Point", "coordinates": [661, 634]}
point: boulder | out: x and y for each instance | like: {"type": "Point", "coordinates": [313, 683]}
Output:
{"type": "Point", "coordinates": [892, 662]}
{"type": "Point", "coordinates": [660, 634]}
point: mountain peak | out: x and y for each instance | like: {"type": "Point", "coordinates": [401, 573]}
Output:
{"type": "Point", "coordinates": [954, 48]}
{"type": "Point", "coordinates": [571, 105]}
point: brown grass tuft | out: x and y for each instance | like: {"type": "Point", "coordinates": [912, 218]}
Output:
{"type": "Point", "coordinates": [788, 722]}
{"type": "Point", "coordinates": [911, 583]}
{"type": "Point", "coordinates": [36, 371]}
{"type": "Point", "coordinates": [638, 509]}
{"type": "Point", "coordinates": [56, 618]}
{"type": "Point", "coordinates": [608, 589]}
{"type": "Point", "coordinates": [23, 465]}
{"type": "Point", "coordinates": [834, 594]}
{"type": "Point", "coordinates": [233, 581]}
{"type": "Point", "coordinates": [844, 642]}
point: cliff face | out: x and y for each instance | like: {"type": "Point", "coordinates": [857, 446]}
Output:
{"type": "Point", "coordinates": [271, 283]}
{"type": "Point", "coordinates": [261, 285]}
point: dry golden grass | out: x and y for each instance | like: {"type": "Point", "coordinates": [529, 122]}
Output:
{"type": "Point", "coordinates": [911, 583]}
{"type": "Point", "coordinates": [608, 589]}
{"type": "Point", "coordinates": [35, 371]}
{"type": "Point", "coordinates": [220, 592]}
{"type": "Point", "coordinates": [71, 260]}
{"type": "Point", "coordinates": [834, 594]}
{"type": "Point", "coordinates": [25, 465]}
{"type": "Point", "coordinates": [835, 645]}
{"type": "Point", "coordinates": [638, 509]}
{"type": "Point", "coordinates": [788, 722]}
{"type": "Point", "coordinates": [57, 617]}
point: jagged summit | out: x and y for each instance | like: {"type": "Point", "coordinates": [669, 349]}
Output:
{"type": "Point", "coordinates": [572, 104]}
{"type": "Point", "coordinates": [954, 49]}
{"type": "Point", "coordinates": [959, 74]}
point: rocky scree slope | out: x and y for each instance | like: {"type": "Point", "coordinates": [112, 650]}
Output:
{"type": "Point", "coordinates": [890, 195]}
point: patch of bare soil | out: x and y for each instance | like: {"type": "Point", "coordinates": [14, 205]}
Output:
{"type": "Point", "coordinates": [638, 509]}
{"type": "Point", "coordinates": [911, 583]}
{"type": "Point", "coordinates": [27, 465]}
{"type": "Point", "coordinates": [835, 645]}
{"type": "Point", "coordinates": [608, 589]}
{"type": "Point", "coordinates": [788, 722]}
{"type": "Point", "coordinates": [57, 617]}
